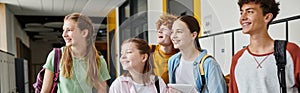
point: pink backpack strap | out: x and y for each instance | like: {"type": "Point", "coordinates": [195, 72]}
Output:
{"type": "Point", "coordinates": [57, 56]}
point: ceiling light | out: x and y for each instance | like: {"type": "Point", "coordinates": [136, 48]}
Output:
{"type": "Point", "coordinates": [38, 29]}
{"type": "Point", "coordinates": [33, 25]}
{"type": "Point", "coordinates": [38, 36]}
{"type": "Point", "coordinates": [54, 24]}
{"type": "Point", "coordinates": [50, 33]}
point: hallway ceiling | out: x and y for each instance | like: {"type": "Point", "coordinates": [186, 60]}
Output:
{"type": "Point", "coordinates": [42, 19]}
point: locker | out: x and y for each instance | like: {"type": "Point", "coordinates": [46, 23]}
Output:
{"type": "Point", "coordinates": [223, 51]}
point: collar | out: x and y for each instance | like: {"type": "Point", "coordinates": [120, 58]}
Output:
{"type": "Point", "coordinates": [197, 61]}
{"type": "Point", "coordinates": [129, 79]}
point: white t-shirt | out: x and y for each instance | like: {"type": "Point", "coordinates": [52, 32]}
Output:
{"type": "Point", "coordinates": [140, 88]}
{"type": "Point", "coordinates": [184, 73]}
{"type": "Point", "coordinates": [258, 74]}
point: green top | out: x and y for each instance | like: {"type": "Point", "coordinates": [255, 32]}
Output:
{"type": "Point", "coordinates": [78, 82]}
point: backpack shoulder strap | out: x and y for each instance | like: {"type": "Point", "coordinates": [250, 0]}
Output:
{"type": "Point", "coordinates": [57, 55]}
{"type": "Point", "coordinates": [280, 56]}
{"type": "Point", "coordinates": [153, 48]}
{"type": "Point", "coordinates": [157, 84]}
{"type": "Point", "coordinates": [201, 70]}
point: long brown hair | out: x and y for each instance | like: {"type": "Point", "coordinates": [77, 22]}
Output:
{"type": "Point", "coordinates": [83, 23]}
{"type": "Point", "coordinates": [193, 26]}
{"type": "Point", "coordinates": [143, 48]}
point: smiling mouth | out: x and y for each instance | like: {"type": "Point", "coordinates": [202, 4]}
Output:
{"type": "Point", "coordinates": [246, 24]}
{"type": "Point", "coordinates": [175, 41]}
{"type": "Point", "coordinates": [67, 40]}
{"type": "Point", "coordinates": [160, 37]}
{"type": "Point", "coordinates": [125, 61]}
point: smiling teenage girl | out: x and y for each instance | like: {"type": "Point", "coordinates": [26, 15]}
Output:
{"type": "Point", "coordinates": [138, 79]}
{"type": "Point", "coordinates": [82, 70]}
{"type": "Point", "coordinates": [184, 66]}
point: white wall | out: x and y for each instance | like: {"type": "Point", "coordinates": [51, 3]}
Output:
{"type": "Point", "coordinates": [207, 44]}
{"type": "Point", "coordinates": [155, 10]}
{"type": "Point", "coordinates": [294, 31]}
{"type": "Point", "coordinates": [240, 41]}
{"type": "Point", "coordinates": [3, 32]}
{"type": "Point", "coordinates": [221, 15]}
{"type": "Point", "coordinates": [277, 31]}
{"type": "Point", "coordinates": [288, 8]}
{"type": "Point", "coordinates": [11, 39]}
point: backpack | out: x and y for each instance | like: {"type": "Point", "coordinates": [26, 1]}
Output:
{"type": "Point", "coordinates": [280, 57]}
{"type": "Point", "coordinates": [40, 77]}
{"type": "Point", "coordinates": [202, 73]}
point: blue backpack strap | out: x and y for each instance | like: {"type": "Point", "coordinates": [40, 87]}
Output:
{"type": "Point", "coordinates": [280, 56]}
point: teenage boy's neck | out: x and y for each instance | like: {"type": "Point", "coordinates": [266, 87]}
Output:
{"type": "Point", "coordinates": [261, 44]}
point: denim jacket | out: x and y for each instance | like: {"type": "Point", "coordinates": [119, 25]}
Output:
{"type": "Point", "coordinates": [215, 82]}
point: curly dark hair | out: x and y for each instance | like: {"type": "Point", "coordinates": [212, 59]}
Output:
{"type": "Point", "coordinates": [268, 6]}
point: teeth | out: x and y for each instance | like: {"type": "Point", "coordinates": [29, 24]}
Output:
{"type": "Point", "coordinates": [244, 24]}
{"type": "Point", "coordinates": [125, 61]}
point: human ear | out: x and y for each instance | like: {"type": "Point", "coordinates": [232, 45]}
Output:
{"type": "Point", "coordinates": [268, 17]}
{"type": "Point", "coordinates": [85, 33]}
{"type": "Point", "coordinates": [195, 34]}
{"type": "Point", "coordinates": [145, 57]}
